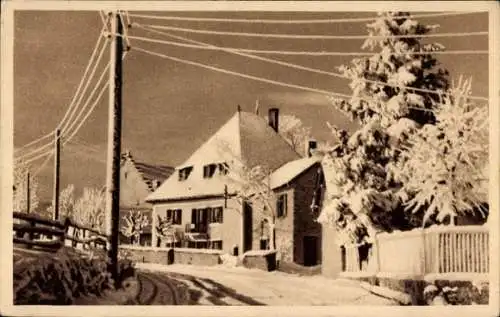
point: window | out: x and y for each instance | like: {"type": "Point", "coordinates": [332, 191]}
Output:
{"type": "Point", "coordinates": [175, 215]}
{"type": "Point", "coordinates": [281, 206]}
{"type": "Point", "coordinates": [199, 220]}
{"type": "Point", "coordinates": [202, 217]}
{"type": "Point", "coordinates": [216, 215]}
{"type": "Point", "coordinates": [184, 173]}
{"type": "Point", "coordinates": [223, 168]}
{"type": "Point", "coordinates": [209, 170]}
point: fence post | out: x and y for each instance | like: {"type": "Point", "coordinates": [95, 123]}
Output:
{"type": "Point", "coordinates": [376, 255]}
{"type": "Point", "coordinates": [62, 237]}
{"type": "Point", "coordinates": [31, 234]}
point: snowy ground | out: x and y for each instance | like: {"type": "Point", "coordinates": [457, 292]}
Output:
{"type": "Point", "coordinates": [275, 288]}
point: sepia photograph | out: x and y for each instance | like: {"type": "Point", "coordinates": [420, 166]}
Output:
{"type": "Point", "coordinates": [183, 155]}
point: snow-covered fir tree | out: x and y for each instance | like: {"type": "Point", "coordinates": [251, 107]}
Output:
{"type": "Point", "coordinates": [363, 192]}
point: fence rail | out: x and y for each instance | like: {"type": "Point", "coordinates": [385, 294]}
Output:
{"type": "Point", "coordinates": [419, 252]}
{"type": "Point", "coordinates": [33, 231]}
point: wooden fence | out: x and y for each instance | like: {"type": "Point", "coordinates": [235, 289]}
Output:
{"type": "Point", "coordinates": [434, 251]}
{"type": "Point", "coordinates": [32, 231]}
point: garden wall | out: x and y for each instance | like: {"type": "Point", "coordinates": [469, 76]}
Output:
{"type": "Point", "coordinates": [169, 256]}
{"type": "Point", "coordinates": [262, 260]}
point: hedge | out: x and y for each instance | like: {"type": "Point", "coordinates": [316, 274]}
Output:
{"type": "Point", "coordinates": [59, 278]}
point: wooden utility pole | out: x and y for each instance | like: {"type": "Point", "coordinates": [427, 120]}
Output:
{"type": "Point", "coordinates": [57, 161]}
{"type": "Point", "coordinates": [28, 200]}
{"type": "Point", "coordinates": [114, 143]}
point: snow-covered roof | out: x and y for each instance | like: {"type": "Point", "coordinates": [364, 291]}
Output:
{"type": "Point", "coordinates": [246, 137]}
{"type": "Point", "coordinates": [286, 173]}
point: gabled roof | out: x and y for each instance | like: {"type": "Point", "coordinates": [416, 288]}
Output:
{"type": "Point", "coordinates": [153, 172]}
{"type": "Point", "coordinates": [149, 172]}
{"type": "Point", "coordinates": [244, 136]}
{"type": "Point", "coordinates": [288, 172]}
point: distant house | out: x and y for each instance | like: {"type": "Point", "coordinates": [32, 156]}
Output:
{"type": "Point", "coordinates": [137, 180]}
{"type": "Point", "coordinates": [206, 212]}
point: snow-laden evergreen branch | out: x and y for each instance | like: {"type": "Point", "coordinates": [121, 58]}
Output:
{"type": "Point", "coordinates": [446, 164]}
{"type": "Point", "coordinates": [363, 171]}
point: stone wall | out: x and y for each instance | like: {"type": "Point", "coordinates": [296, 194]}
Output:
{"type": "Point", "coordinates": [168, 256]}
{"type": "Point", "coordinates": [262, 260]}
{"type": "Point", "coordinates": [197, 257]}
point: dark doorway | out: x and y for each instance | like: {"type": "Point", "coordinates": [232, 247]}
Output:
{"type": "Point", "coordinates": [247, 227]}
{"type": "Point", "coordinates": [310, 250]}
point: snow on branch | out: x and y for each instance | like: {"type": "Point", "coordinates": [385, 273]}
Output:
{"type": "Point", "coordinates": [447, 163]}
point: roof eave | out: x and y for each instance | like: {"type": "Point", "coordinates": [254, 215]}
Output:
{"type": "Point", "coordinates": [186, 198]}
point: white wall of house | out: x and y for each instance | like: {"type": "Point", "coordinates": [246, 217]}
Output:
{"type": "Point", "coordinates": [230, 227]}
{"type": "Point", "coordinates": [133, 189]}
{"type": "Point", "coordinates": [331, 253]}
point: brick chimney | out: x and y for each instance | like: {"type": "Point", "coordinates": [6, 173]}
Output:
{"type": "Point", "coordinates": [311, 146]}
{"type": "Point", "coordinates": [274, 118]}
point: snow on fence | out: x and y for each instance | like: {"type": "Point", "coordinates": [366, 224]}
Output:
{"type": "Point", "coordinates": [434, 251]}
{"type": "Point", "coordinates": [33, 231]}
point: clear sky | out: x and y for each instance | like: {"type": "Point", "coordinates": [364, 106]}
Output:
{"type": "Point", "coordinates": [170, 108]}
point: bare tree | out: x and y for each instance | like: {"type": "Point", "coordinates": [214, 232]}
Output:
{"type": "Point", "coordinates": [294, 132]}
{"type": "Point", "coordinates": [165, 228]}
{"type": "Point", "coordinates": [252, 185]}
{"type": "Point", "coordinates": [135, 223]}
{"type": "Point", "coordinates": [20, 189]}
{"type": "Point", "coordinates": [89, 209]}
{"type": "Point", "coordinates": [66, 203]}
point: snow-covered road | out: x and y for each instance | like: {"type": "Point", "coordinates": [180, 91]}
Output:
{"type": "Point", "coordinates": [273, 288]}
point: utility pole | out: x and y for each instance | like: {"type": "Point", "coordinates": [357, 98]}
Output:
{"type": "Point", "coordinates": [28, 200]}
{"type": "Point", "coordinates": [57, 161]}
{"type": "Point", "coordinates": [114, 143]}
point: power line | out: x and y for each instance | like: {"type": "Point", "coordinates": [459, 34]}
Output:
{"type": "Point", "coordinates": [313, 36]}
{"type": "Point", "coordinates": [303, 21]}
{"type": "Point", "coordinates": [82, 110]}
{"type": "Point", "coordinates": [80, 151]}
{"type": "Point", "coordinates": [292, 53]}
{"type": "Point", "coordinates": [34, 151]}
{"type": "Point", "coordinates": [125, 28]}
{"type": "Point", "coordinates": [34, 141]}
{"type": "Point", "coordinates": [256, 78]}
{"type": "Point", "coordinates": [47, 160]}
{"type": "Point", "coordinates": [79, 141]}
{"type": "Point", "coordinates": [292, 65]}
{"type": "Point", "coordinates": [225, 71]}
{"type": "Point", "coordinates": [105, 19]}
{"type": "Point", "coordinates": [68, 124]}
{"type": "Point", "coordinates": [72, 103]}
{"type": "Point", "coordinates": [96, 102]}
{"type": "Point", "coordinates": [87, 146]}
{"type": "Point", "coordinates": [79, 94]}
{"type": "Point", "coordinates": [27, 161]}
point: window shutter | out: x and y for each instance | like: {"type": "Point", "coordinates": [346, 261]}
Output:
{"type": "Point", "coordinates": [193, 216]}
{"type": "Point", "coordinates": [179, 216]}
{"type": "Point", "coordinates": [285, 204]}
